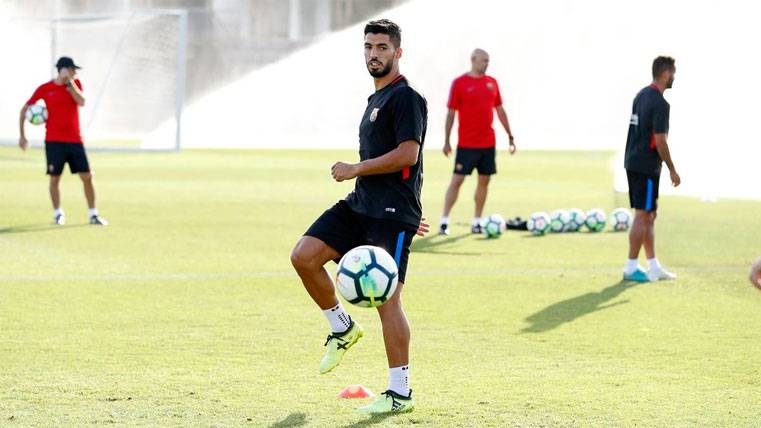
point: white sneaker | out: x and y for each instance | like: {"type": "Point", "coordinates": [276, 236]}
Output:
{"type": "Point", "coordinates": [660, 274]}
{"type": "Point", "coordinates": [59, 220]}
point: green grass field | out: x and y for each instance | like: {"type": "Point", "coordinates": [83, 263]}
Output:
{"type": "Point", "coordinates": [185, 310]}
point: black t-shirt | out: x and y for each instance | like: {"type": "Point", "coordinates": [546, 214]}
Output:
{"type": "Point", "coordinates": [650, 116]}
{"type": "Point", "coordinates": [394, 114]}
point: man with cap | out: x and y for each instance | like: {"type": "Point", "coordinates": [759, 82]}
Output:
{"type": "Point", "coordinates": [63, 141]}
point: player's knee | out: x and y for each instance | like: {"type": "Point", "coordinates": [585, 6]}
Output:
{"type": "Point", "coordinates": [300, 260]}
{"type": "Point", "coordinates": [85, 176]}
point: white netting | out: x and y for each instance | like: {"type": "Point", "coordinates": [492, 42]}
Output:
{"type": "Point", "coordinates": [133, 73]}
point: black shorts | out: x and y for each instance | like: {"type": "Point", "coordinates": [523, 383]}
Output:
{"type": "Point", "coordinates": [484, 160]}
{"type": "Point", "coordinates": [343, 229]}
{"type": "Point", "coordinates": [58, 154]}
{"type": "Point", "coordinates": [643, 191]}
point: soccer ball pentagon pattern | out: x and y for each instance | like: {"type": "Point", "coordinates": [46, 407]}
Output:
{"type": "Point", "coordinates": [539, 223]}
{"type": "Point", "coordinates": [493, 226]}
{"type": "Point", "coordinates": [578, 218]}
{"type": "Point", "coordinates": [367, 276]}
{"type": "Point", "coordinates": [559, 220]}
{"type": "Point", "coordinates": [621, 219]}
{"type": "Point", "coordinates": [36, 114]}
{"type": "Point", "coordinates": [595, 220]}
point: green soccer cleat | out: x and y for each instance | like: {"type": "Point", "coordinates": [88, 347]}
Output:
{"type": "Point", "coordinates": [389, 402]}
{"type": "Point", "coordinates": [639, 275]}
{"type": "Point", "coordinates": [338, 344]}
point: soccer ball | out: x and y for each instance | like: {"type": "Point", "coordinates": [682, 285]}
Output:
{"type": "Point", "coordinates": [367, 276]}
{"type": "Point", "coordinates": [595, 220]}
{"type": "Point", "coordinates": [36, 114]}
{"type": "Point", "coordinates": [578, 218]}
{"type": "Point", "coordinates": [539, 223]}
{"type": "Point", "coordinates": [559, 220]}
{"type": "Point", "coordinates": [621, 219]}
{"type": "Point", "coordinates": [494, 226]}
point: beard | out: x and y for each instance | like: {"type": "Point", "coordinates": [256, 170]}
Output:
{"type": "Point", "coordinates": [383, 71]}
{"type": "Point", "coordinates": [670, 84]}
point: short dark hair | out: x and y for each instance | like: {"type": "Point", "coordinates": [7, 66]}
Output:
{"type": "Point", "coordinates": [384, 26]}
{"type": "Point", "coordinates": [661, 64]}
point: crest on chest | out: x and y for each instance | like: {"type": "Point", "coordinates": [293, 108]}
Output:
{"type": "Point", "coordinates": [374, 114]}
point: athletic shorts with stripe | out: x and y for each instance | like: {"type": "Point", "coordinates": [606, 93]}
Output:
{"type": "Point", "coordinates": [643, 191]}
{"type": "Point", "coordinates": [343, 229]}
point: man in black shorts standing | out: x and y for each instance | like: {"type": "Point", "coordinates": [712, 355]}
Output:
{"type": "Point", "coordinates": [63, 141]}
{"type": "Point", "coordinates": [474, 96]}
{"type": "Point", "coordinates": [646, 150]}
{"type": "Point", "coordinates": [383, 210]}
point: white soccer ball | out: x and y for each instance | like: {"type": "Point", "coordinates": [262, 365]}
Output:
{"type": "Point", "coordinates": [559, 220]}
{"type": "Point", "coordinates": [494, 226]}
{"type": "Point", "coordinates": [595, 220]}
{"type": "Point", "coordinates": [621, 219]}
{"type": "Point", "coordinates": [539, 223]}
{"type": "Point", "coordinates": [36, 114]}
{"type": "Point", "coordinates": [578, 219]}
{"type": "Point", "coordinates": [367, 276]}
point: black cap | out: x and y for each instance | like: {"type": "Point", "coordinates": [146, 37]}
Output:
{"type": "Point", "coordinates": [65, 62]}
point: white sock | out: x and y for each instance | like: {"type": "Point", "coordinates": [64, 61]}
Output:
{"type": "Point", "coordinates": [57, 212]}
{"type": "Point", "coordinates": [399, 380]}
{"type": "Point", "coordinates": [338, 318]}
{"type": "Point", "coordinates": [93, 211]}
{"type": "Point", "coordinates": [631, 266]}
{"type": "Point", "coordinates": [654, 263]}
{"type": "Point", "coordinates": [476, 221]}
{"type": "Point", "coordinates": [444, 219]}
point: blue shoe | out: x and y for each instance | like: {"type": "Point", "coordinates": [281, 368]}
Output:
{"type": "Point", "coordinates": [639, 275]}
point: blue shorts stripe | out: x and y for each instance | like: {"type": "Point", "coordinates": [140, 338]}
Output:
{"type": "Point", "coordinates": [398, 252]}
{"type": "Point", "coordinates": [649, 199]}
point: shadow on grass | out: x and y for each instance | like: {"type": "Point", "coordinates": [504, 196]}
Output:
{"type": "Point", "coordinates": [429, 244]}
{"type": "Point", "coordinates": [293, 420]}
{"type": "Point", "coordinates": [39, 227]}
{"type": "Point", "coordinates": [372, 420]}
{"type": "Point", "coordinates": [569, 310]}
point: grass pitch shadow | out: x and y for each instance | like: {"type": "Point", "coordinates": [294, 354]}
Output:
{"type": "Point", "coordinates": [569, 310]}
{"type": "Point", "coordinates": [295, 419]}
{"type": "Point", "coordinates": [38, 227]}
{"type": "Point", "coordinates": [372, 420]}
{"type": "Point", "coordinates": [430, 244]}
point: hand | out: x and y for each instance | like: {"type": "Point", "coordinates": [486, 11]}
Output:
{"type": "Point", "coordinates": [423, 228]}
{"type": "Point", "coordinates": [675, 179]}
{"type": "Point", "coordinates": [343, 171]}
{"type": "Point", "coordinates": [512, 145]}
{"type": "Point", "coordinates": [23, 143]}
{"type": "Point", "coordinates": [447, 149]}
{"type": "Point", "coordinates": [755, 273]}
{"type": "Point", "coordinates": [65, 75]}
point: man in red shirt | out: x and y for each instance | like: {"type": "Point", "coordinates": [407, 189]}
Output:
{"type": "Point", "coordinates": [63, 142]}
{"type": "Point", "coordinates": [474, 96]}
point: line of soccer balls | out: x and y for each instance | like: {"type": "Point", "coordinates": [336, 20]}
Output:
{"type": "Point", "coordinates": [572, 220]}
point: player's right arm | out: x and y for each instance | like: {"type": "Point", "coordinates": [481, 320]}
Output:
{"type": "Point", "coordinates": [22, 141]}
{"type": "Point", "coordinates": [448, 131]}
{"type": "Point", "coordinates": [663, 150]}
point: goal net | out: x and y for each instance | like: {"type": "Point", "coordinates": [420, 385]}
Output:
{"type": "Point", "coordinates": [133, 74]}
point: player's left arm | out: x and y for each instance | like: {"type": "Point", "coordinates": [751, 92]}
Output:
{"type": "Point", "coordinates": [404, 155]}
{"type": "Point", "coordinates": [502, 115]}
{"type": "Point", "coordinates": [74, 88]}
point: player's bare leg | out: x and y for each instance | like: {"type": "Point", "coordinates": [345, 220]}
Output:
{"type": "Point", "coordinates": [640, 228]}
{"type": "Point", "coordinates": [656, 272]}
{"type": "Point", "coordinates": [396, 336]}
{"type": "Point", "coordinates": [482, 188]}
{"type": "Point", "coordinates": [55, 197]}
{"type": "Point", "coordinates": [308, 258]}
{"type": "Point", "coordinates": [87, 182]}
{"type": "Point", "coordinates": [449, 200]}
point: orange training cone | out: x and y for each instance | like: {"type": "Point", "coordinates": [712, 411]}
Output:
{"type": "Point", "coordinates": [355, 391]}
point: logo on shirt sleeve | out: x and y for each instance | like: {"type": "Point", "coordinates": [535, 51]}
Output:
{"type": "Point", "coordinates": [374, 114]}
{"type": "Point", "coordinates": [634, 120]}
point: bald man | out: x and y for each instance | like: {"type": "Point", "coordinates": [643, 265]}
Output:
{"type": "Point", "coordinates": [474, 96]}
